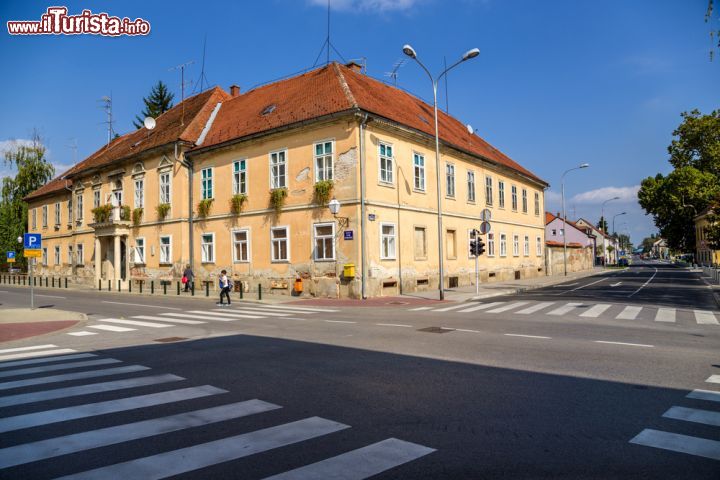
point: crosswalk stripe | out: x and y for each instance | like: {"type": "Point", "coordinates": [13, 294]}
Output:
{"type": "Point", "coordinates": [171, 317]}
{"type": "Point", "coordinates": [675, 442]}
{"type": "Point", "coordinates": [33, 397]}
{"type": "Point", "coordinates": [222, 318]}
{"type": "Point", "coordinates": [72, 376]}
{"type": "Point", "coordinates": [187, 459]}
{"type": "Point", "coordinates": [537, 307]}
{"type": "Point", "coordinates": [252, 311]}
{"type": "Point", "coordinates": [629, 313]}
{"type": "Point", "coordinates": [419, 309]}
{"type": "Point", "coordinates": [507, 307]}
{"type": "Point", "coordinates": [713, 379]}
{"type": "Point", "coordinates": [25, 349]}
{"type": "Point", "coordinates": [135, 323]}
{"type": "Point", "coordinates": [54, 447]}
{"type": "Point", "coordinates": [694, 415]}
{"type": "Point", "coordinates": [360, 464]}
{"type": "Point", "coordinates": [701, 394]}
{"type": "Point", "coordinates": [596, 310]}
{"type": "Point", "coordinates": [482, 306]}
{"type": "Point", "coordinates": [300, 309]}
{"type": "Point", "coordinates": [112, 328]}
{"type": "Point", "coordinates": [171, 320]}
{"type": "Point", "coordinates": [447, 309]}
{"type": "Point", "coordinates": [704, 317]}
{"type": "Point", "coordinates": [101, 408]}
{"type": "Point", "coordinates": [81, 333]}
{"type": "Point", "coordinates": [57, 366]}
{"type": "Point", "coordinates": [59, 358]}
{"type": "Point", "coordinates": [665, 315]}
{"type": "Point", "coordinates": [15, 356]}
{"type": "Point", "coordinates": [565, 308]}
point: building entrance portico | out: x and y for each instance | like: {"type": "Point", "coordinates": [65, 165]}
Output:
{"type": "Point", "coordinates": [111, 258]}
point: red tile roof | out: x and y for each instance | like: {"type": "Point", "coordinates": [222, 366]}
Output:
{"type": "Point", "coordinates": [171, 126]}
{"type": "Point", "coordinates": [549, 217]}
{"type": "Point", "coordinates": [333, 89]}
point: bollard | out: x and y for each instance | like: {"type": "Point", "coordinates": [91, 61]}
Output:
{"type": "Point", "coordinates": [207, 289]}
{"type": "Point", "coordinates": [164, 288]}
{"type": "Point", "coordinates": [53, 281]}
{"type": "Point", "coordinates": [152, 287]}
{"type": "Point", "coordinates": [109, 285]}
{"type": "Point", "coordinates": [259, 291]}
{"type": "Point", "coordinates": [241, 290]}
{"type": "Point", "coordinates": [99, 284]}
{"type": "Point", "coordinates": [192, 289]}
{"type": "Point", "coordinates": [142, 282]}
{"type": "Point", "coordinates": [130, 286]}
{"type": "Point", "coordinates": [178, 288]}
{"type": "Point", "coordinates": [65, 282]}
{"type": "Point", "coordinates": [119, 285]}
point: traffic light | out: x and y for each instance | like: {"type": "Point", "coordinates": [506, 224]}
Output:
{"type": "Point", "coordinates": [479, 247]}
{"type": "Point", "coordinates": [473, 247]}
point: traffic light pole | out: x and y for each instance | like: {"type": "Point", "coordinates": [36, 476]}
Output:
{"type": "Point", "coordinates": [477, 276]}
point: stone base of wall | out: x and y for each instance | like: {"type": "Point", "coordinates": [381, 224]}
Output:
{"type": "Point", "coordinates": [578, 259]}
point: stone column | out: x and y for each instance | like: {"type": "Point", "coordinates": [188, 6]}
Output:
{"type": "Point", "coordinates": [98, 260]}
{"type": "Point", "coordinates": [116, 258]}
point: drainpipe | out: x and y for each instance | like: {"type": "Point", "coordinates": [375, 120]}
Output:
{"type": "Point", "coordinates": [187, 162]}
{"type": "Point", "coordinates": [363, 212]}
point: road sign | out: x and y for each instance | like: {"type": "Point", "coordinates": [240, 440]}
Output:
{"type": "Point", "coordinates": [30, 253]}
{"type": "Point", "coordinates": [485, 227]}
{"type": "Point", "coordinates": [348, 235]}
{"type": "Point", "coordinates": [486, 215]}
{"type": "Point", "coordinates": [33, 241]}
{"type": "Point", "coordinates": [10, 257]}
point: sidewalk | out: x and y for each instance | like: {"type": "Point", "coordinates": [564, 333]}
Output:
{"type": "Point", "coordinates": [19, 323]}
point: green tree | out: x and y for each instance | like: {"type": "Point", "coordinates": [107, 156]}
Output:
{"type": "Point", "coordinates": [647, 243]}
{"type": "Point", "coordinates": [159, 101]}
{"type": "Point", "coordinates": [33, 171]}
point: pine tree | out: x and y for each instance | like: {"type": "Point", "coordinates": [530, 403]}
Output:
{"type": "Point", "coordinates": [158, 102]}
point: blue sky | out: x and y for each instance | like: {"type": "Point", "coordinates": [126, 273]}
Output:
{"type": "Point", "coordinates": [557, 83]}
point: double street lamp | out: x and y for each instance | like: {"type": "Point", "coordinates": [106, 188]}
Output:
{"type": "Point", "coordinates": [564, 231]}
{"type": "Point", "coordinates": [410, 52]}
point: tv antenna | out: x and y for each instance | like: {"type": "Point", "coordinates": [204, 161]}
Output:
{"type": "Point", "coordinates": [107, 106]}
{"type": "Point", "coordinates": [203, 79]}
{"type": "Point", "coordinates": [394, 74]}
{"type": "Point", "coordinates": [327, 44]}
{"type": "Point", "coordinates": [74, 147]}
{"type": "Point", "coordinates": [182, 68]}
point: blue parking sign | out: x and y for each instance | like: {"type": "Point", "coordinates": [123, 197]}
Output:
{"type": "Point", "coordinates": [33, 241]}
{"type": "Point", "coordinates": [10, 254]}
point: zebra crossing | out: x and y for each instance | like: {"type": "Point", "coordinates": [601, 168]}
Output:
{"type": "Point", "coordinates": [581, 310]}
{"type": "Point", "coordinates": [688, 444]}
{"type": "Point", "coordinates": [250, 311]}
{"type": "Point", "coordinates": [73, 405]}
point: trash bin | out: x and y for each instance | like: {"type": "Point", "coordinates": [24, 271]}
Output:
{"type": "Point", "coordinates": [349, 270]}
{"type": "Point", "coordinates": [298, 287]}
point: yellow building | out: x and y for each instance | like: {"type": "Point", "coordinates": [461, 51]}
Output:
{"type": "Point", "coordinates": [704, 255]}
{"type": "Point", "coordinates": [246, 177]}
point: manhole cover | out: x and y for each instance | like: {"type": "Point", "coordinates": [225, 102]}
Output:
{"type": "Point", "coordinates": [170, 339]}
{"type": "Point", "coordinates": [435, 330]}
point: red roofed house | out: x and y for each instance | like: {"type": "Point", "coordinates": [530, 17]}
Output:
{"type": "Point", "coordinates": [241, 182]}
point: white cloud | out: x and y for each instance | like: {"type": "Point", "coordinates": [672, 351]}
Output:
{"type": "Point", "coordinates": [7, 145]}
{"type": "Point", "coordinates": [367, 5]}
{"type": "Point", "coordinates": [599, 195]}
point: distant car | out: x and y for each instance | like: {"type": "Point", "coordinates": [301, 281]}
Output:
{"type": "Point", "coordinates": [13, 270]}
{"type": "Point", "coordinates": [623, 262]}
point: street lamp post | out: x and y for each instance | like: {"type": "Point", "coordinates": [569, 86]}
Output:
{"type": "Point", "coordinates": [603, 220]}
{"type": "Point", "coordinates": [410, 52]}
{"type": "Point", "coordinates": [564, 231]}
{"type": "Point", "coordinates": [614, 216]}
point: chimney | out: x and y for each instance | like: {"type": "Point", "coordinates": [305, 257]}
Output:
{"type": "Point", "coordinates": [354, 66]}
{"type": "Point", "coordinates": [234, 90]}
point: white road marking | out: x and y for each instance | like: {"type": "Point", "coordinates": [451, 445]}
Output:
{"type": "Point", "coordinates": [135, 323]}
{"type": "Point", "coordinates": [447, 309]}
{"type": "Point", "coordinates": [709, 395]}
{"type": "Point", "coordinates": [482, 306]}
{"type": "Point", "coordinates": [33, 397]}
{"type": "Point", "coordinates": [629, 313]}
{"type": "Point", "coordinates": [48, 296]}
{"type": "Point", "coordinates": [526, 336]}
{"type": "Point", "coordinates": [419, 309]}
{"type": "Point", "coordinates": [507, 307]}
{"type": "Point", "coordinates": [360, 464]}
{"type": "Point", "coordinates": [253, 311]}
{"type": "Point", "coordinates": [465, 330]}
{"type": "Point", "coordinates": [704, 317]}
{"type": "Point", "coordinates": [72, 376]}
{"type": "Point", "coordinates": [616, 284]}
{"type": "Point", "coordinates": [299, 309]}
{"type": "Point", "coordinates": [713, 379]}
{"type": "Point", "coordinates": [665, 315]}
{"type": "Point", "coordinates": [675, 442]}
{"type": "Point", "coordinates": [565, 308]}
{"type": "Point", "coordinates": [54, 447]}
{"type": "Point", "coordinates": [111, 328]}
{"type": "Point", "coordinates": [566, 285]}
{"type": "Point", "coordinates": [219, 316]}
{"type": "Point", "coordinates": [339, 321]}
{"type": "Point", "coordinates": [187, 459]}
{"type": "Point", "coordinates": [59, 358]}
{"type": "Point", "coordinates": [694, 415]}
{"type": "Point", "coordinates": [596, 310]}
{"type": "Point", "coordinates": [538, 306]}
{"type": "Point", "coordinates": [171, 317]}
{"type": "Point", "coordinates": [142, 305]}
{"type": "Point", "coordinates": [25, 349]}
{"type": "Point", "coordinates": [627, 344]}
{"type": "Point", "coordinates": [81, 333]}
{"type": "Point", "coordinates": [57, 366]}
{"type": "Point", "coordinates": [581, 286]}
{"type": "Point", "coordinates": [14, 356]}
{"type": "Point", "coordinates": [393, 325]}
{"type": "Point", "coordinates": [644, 284]}
{"type": "Point", "coordinates": [171, 320]}
{"type": "Point", "coordinates": [101, 408]}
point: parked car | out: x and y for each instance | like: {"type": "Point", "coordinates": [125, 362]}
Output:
{"type": "Point", "coordinates": [623, 262]}
{"type": "Point", "coordinates": [13, 270]}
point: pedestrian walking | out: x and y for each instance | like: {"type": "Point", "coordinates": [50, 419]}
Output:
{"type": "Point", "coordinates": [188, 278]}
{"type": "Point", "coordinates": [225, 284]}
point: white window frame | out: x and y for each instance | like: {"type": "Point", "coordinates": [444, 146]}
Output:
{"type": "Point", "coordinates": [239, 177]}
{"type": "Point", "coordinates": [139, 192]}
{"type": "Point", "coordinates": [516, 245]}
{"type": "Point", "coordinates": [392, 237]}
{"type": "Point", "coordinates": [488, 190]}
{"type": "Point", "coordinates": [79, 207]}
{"type": "Point", "coordinates": [501, 194]}
{"type": "Point", "coordinates": [526, 246]}
{"type": "Point", "coordinates": [96, 197]}
{"type": "Point", "coordinates": [513, 198]}
{"type": "Point", "coordinates": [326, 170]}
{"type": "Point", "coordinates": [285, 239]}
{"type": "Point", "coordinates": [70, 254]}
{"type": "Point", "coordinates": [490, 240]}
{"type": "Point", "coordinates": [503, 245]}
{"type": "Point", "coordinates": [537, 204]}
{"type": "Point", "coordinates": [207, 255]}
{"type": "Point", "coordinates": [44, 216]}
{"type": "Point", "coordinates": [57, 214]}
{"type": "Point", "coordinates": [317, 237]}
{"type": "Point", "coordinates": [44, 259]}
{"type": "Point", "coordinates": [57, 255]}
{"type": "Point", "coordinates": [234, 242]}
{"type": "Point", "coordinates": [206, 183]}
{"type": "Point", "coordinates": [275, 179]}
{"type": "Point", "coordinates": [524, 200]}
{"type": "Point", "coordinates": [164, 196]}
{"type": "Point", "coordinates": [538, 246]}
{"type": "Point", "coordinates": [471, 186]}
{"type": "Point", "coordinates": [34, 218]}
{"type": "Point", "coordinates": [168, 259]}
{"type": "Point", "coordinates": [449, 180]}
{"type": "Point", "coordinates": [418, 172]}
{"type": "Point", "coordinates": [139, 251]}
{"type": "Point", "coordinates": [386, 175]}
{"type": "Point", "coordinates": [80, 254]}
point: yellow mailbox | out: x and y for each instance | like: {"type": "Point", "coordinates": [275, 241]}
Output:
{"type": "Point", "coordinates": [349, 270]}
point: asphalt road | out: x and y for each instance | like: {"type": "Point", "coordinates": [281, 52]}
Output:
{"type": "Point", "coordinates": [553, 383]}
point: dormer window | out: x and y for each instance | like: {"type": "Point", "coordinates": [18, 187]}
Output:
{"type": "Point", "coordinates": [268, 110]}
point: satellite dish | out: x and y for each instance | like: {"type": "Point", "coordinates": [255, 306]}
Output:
{"type": "Point", "coordinates": [470, 129]}
{"type": "Point", "coordinates": [149, 123]}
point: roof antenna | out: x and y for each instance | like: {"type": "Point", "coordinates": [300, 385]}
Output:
{"type": "Point", "coordinates": [107, 106]}
{"type": "Point", "coordinates": [74, 147]}
{"type": "Point", "coordinates": [394, 74]}
{"type": "Point", "coordinates": [328, 44]}
{"type": "Point", "coordinates": [203, 78]}
{"type": "Point", "coordinates": [182, 67]}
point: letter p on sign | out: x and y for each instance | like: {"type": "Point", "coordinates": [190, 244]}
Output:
{"type": "Point", "coordinates": [33, 241]}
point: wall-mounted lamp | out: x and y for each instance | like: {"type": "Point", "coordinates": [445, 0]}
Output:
{"type": "Point", "coordinates": [334, 206]}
